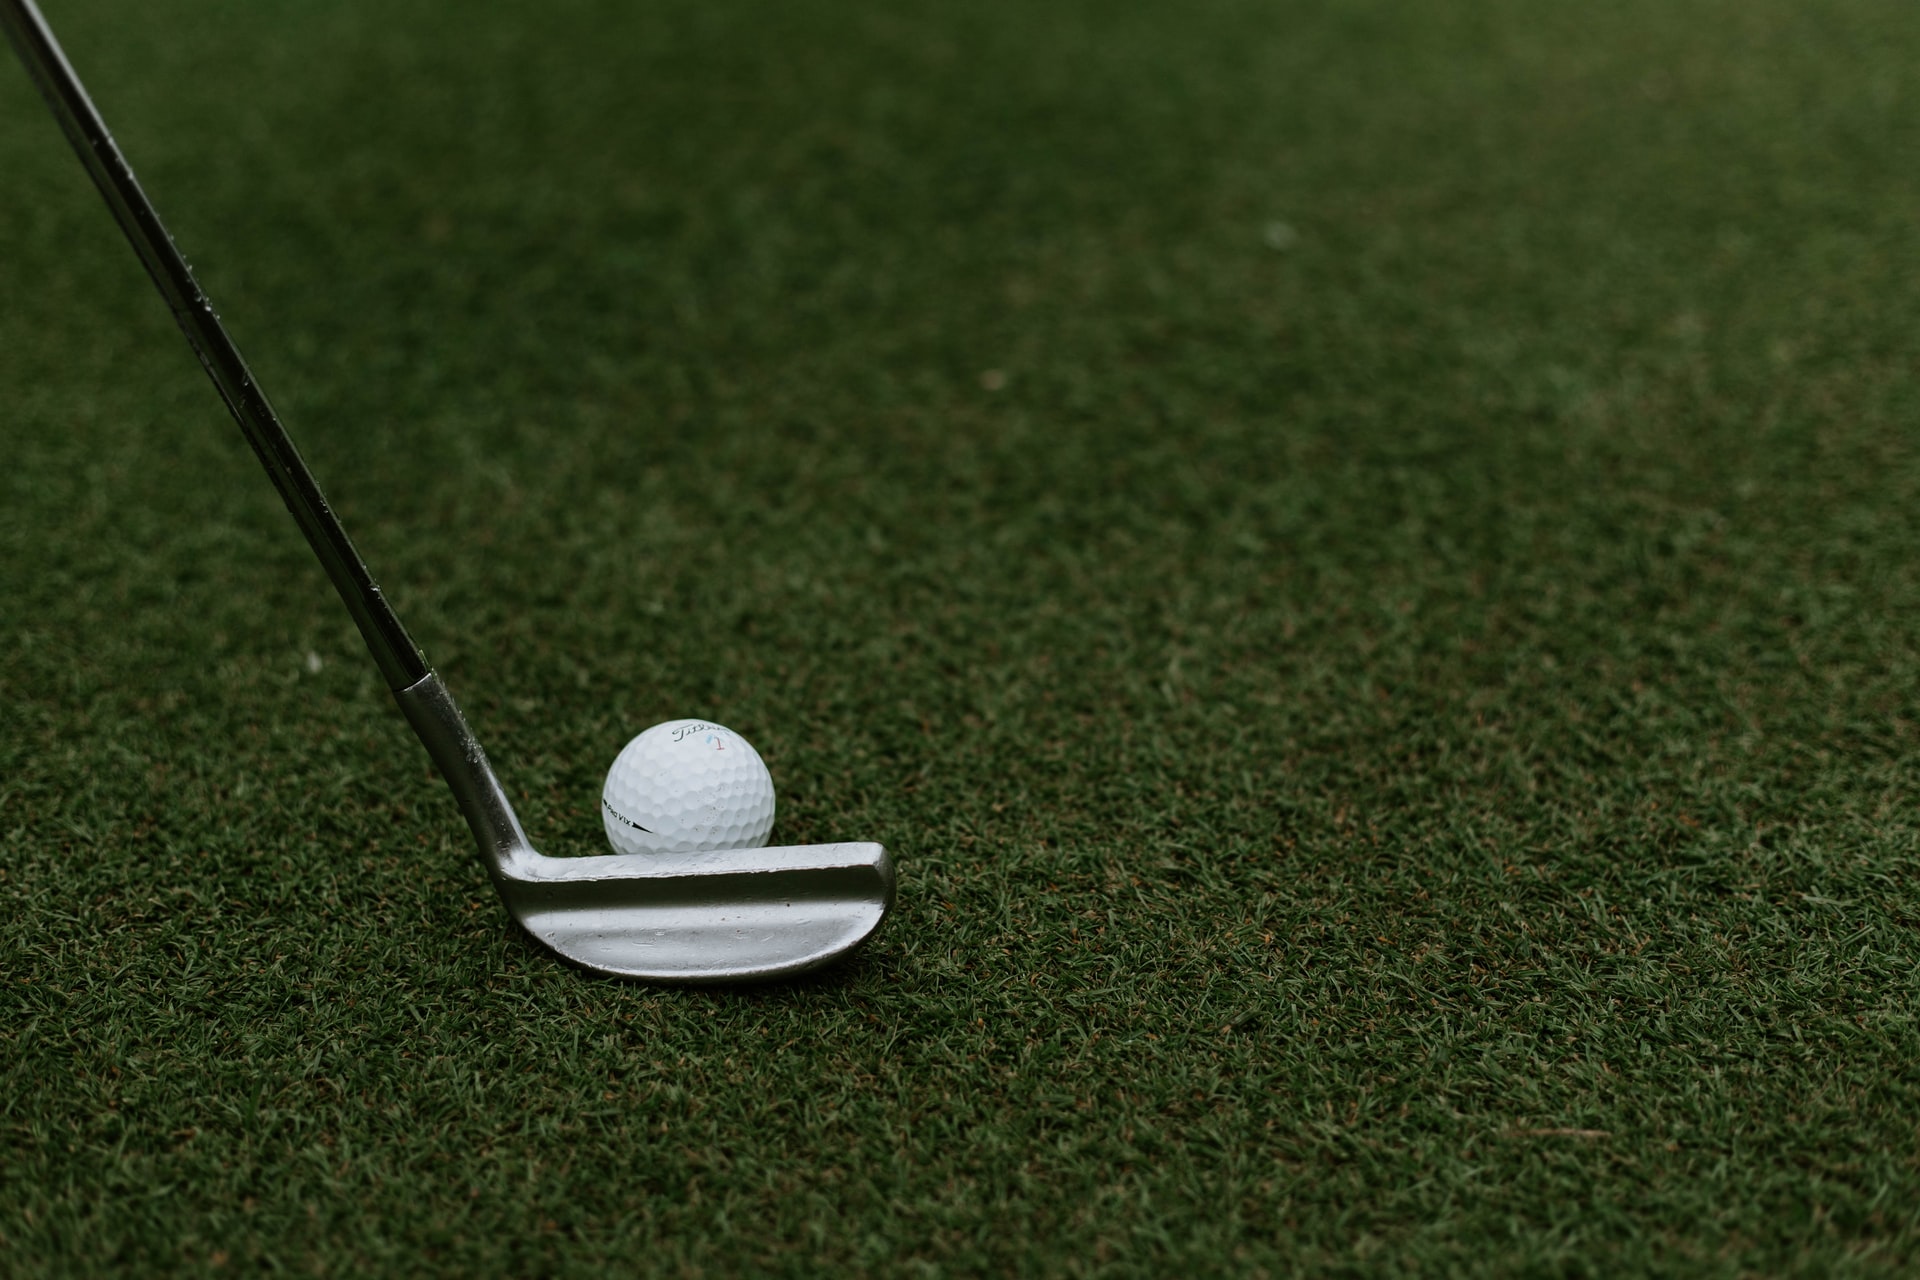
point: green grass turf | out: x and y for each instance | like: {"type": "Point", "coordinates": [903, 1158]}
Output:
{"type": "Point", "coordinates": [1362, 553]}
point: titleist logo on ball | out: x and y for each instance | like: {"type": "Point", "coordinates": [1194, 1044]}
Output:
{"type": "Point", "coordinates": [686, 729]}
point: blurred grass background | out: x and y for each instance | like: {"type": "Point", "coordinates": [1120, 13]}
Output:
{"type": "Point", "coordinates": [1362, 555]}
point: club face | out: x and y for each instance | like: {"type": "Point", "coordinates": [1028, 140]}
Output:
{"type": "Point", "coordinates": [731, 916]}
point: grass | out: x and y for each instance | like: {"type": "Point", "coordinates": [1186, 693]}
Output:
{"type": "Point", "coordinates": [1363, 558]}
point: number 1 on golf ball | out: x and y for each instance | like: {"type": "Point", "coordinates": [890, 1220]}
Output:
{"type": "Point", "coordinates": [687, 786]}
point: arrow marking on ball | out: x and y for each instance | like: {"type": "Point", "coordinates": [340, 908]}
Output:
{"type": "Point", "coordinates": [624, 819]}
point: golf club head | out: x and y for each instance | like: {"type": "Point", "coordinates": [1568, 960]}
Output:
{"type": "Point", "coordinates": [736, 915]}
{"type": "Point", "coordinates": [729, 916]}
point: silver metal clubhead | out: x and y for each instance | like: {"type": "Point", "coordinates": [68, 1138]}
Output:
{"type": "Point", "coordinates": [736, 915]}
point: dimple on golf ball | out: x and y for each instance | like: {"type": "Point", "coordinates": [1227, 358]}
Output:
{"type": "Point", "coordinates": [687, 786]}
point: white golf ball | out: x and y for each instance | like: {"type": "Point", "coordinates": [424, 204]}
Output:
{"type": "Point", "coordinates": [687, 786]}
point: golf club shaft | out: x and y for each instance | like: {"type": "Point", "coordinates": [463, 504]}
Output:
{"type": "Point", "coordinates": [399, 660]}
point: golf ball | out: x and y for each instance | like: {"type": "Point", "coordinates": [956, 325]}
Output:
{"type": "Point", "coordinates": [687, 786]}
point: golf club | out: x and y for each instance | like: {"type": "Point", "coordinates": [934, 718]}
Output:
{"type": "Point", "coordinates": [737, 915]}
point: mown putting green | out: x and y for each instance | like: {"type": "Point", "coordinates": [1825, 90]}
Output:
{"type": "Point", "coordinates": [1364, 561]}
